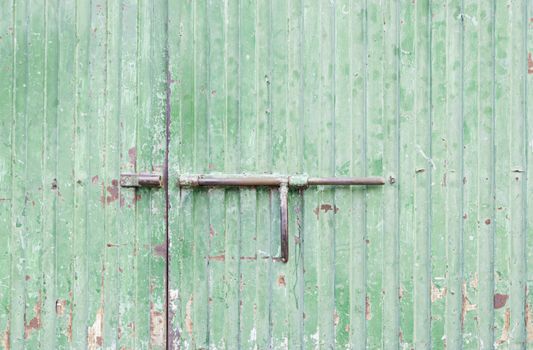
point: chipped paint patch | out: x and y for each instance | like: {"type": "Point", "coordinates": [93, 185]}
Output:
{"type": "Point", "coordinates": [161, 250]}
{"type": "Point", "coordinates": [70, 317]}
{"type": "Point", "coordinates": [467, 305]}
{"type": "Point", "coordinates": [132, 154]}
{"type": "Point", "coordinates": [529, 63]}
{"type": "Point", "coordinates": [112, 192]}
{"type": "Point", "coordinates": [253, 335]}
{"type": "Point", "coordinates": [505, 330]}
{"type": "Point", "coordinates": [325, 208]}
{"type": "Point", "coordinates": [437, 293]}
{"type": "Point", "coordinates": [61, 305]}
{"type": "Point", "coordinates": [475, 281]}
{"type": "Point", "coordinates": [6, 341]}
{"type": "Point", "coordinates": [500, 300]}
{"type": "Point", "coordinates": [94, 333]}
{"type": "Point", "coordinates": [35, 322]}
{"type": "Point", "coordinates": [188, 316]}
{"type": "Point", "coordinates": [173, 333]}
{"type": "Point", "coordinates": [157, 326]}
{"type": "Point", "coordinates": [529, 323]}
{"type": "Point", "coordinates": [368, 309]}
{"type": "Point", "coordinates": [281, 281]}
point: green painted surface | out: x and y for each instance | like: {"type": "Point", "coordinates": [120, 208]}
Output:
{"type": "Point", "coordinates": [432, 95]}
{"type": "Point", "coordinates": [82, 99]}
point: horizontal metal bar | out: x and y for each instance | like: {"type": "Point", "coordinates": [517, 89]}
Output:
{"type": "Point", "coordinates": [347, 181]}
{"type": "Point", "coordinates": [241, 181]}
{"type": "Point", "coordinates": [274, 180]}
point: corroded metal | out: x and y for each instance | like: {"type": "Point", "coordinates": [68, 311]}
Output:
{"type": "Point", "coordinates": [275, 180]}
{"type": "Point", "coordinates": [141, 180]}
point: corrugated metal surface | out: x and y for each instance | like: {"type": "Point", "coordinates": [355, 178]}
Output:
{"type": "Point", "coordinates": [433, 95]}
{"type": "Point", "coordinates": [81, 99]}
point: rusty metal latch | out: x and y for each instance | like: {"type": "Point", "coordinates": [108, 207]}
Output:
{"type": "Point", "coordinates": [283, 183]}
{"type": "Point", "coordinates": [141, 180]}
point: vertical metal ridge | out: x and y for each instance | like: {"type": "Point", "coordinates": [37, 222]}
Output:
{"type": "Point", "coordinates": [390, 210]}
{"type": "Point", "coordinates": [455, 92]}
{"type": "Point", "coordinates": [422, 179]}
{"type": "Point", "coordinates": [166, 179]}
{"type": "Point", "coordinates": [375, 148]}
{"type": "Point", "coordinates": [486, 197]}
{"type": "Point", "coordinates": [431, 166]}
{"type": "Point", "coordinates": [7, 158]}
{"type": "Point", "coordinates": [138, 116]}
{"type": "Point", "coordinates": [48, 268]}
{"type": "Point", "coordinates": [517, 188]}
{"type": "Point", "coordinates": [364, 275]}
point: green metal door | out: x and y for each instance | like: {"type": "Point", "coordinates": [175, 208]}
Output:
{"type": "Point", "coordinates": [432, 95]}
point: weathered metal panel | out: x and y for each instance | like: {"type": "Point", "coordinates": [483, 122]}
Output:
{"type": "Point", "coordinates": [82, 98]}
{"type": "Point", "coordinates": [433, 95]}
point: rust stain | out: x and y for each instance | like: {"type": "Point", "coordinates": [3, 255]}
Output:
{"type": "Point", "coordinates": [529, 323]}
{"type": "Point", "coordinates": [500, 300]}
{"type": "Point", "coordinates": [6, 341]}
{"type": "Point", "coordinates": [94, 179]}
{"type": "Point", "coordinates": [281, 281]}
{"type": "Point", "coordinates": [487, 222]}
{"type": "Point", "coordinates": [248, 257]}
{"type": "Point", "coordinates": [161, 250]}
{"type": "Point", "coordinates": [94, 333]}
{"type": "Point", "coordinates": [188, 318]}
{"type": "Point", "coordinates": [136, 198]}
{"type": "Point", "coordinates": [217, 257]}
{"type": "Point", "coordinates": [102, 195]}
{"type": "Point", "coordinates": [505, 330]}
{"type": "Point", "coordinates": [368, 309]}
{"type": "Point", "coordinates": [132, 153]}
{"type": "Point", "coordinates": [35, 322]}
{"type": "Point", "coordinates": [112, 191]}
{"type": "Point", "coordinates": [211, 231]}
{"type": "Point", "coordinates": [336, 318]}
{"type": "Point", "coordinates": [157, 326]}
{"type": "Point", "coordinates": [467, 305]}
{"type": "Point", "coordinates": [529, 63]}
{"type": "Point", "coordinates": [69, 326]}
{"type": "Point", "coordinates": [325, 208]}
{"type": "Point", "coordinates": [437, 293]}
{"type": "Point", "coordinates": [61, 305]}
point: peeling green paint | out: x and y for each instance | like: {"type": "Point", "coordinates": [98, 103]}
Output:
{"type": "Point", "coordinates": [431, 95]}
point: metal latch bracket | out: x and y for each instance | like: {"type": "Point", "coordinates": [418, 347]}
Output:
{"type": "Point", "coordinates": [141, 180]}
